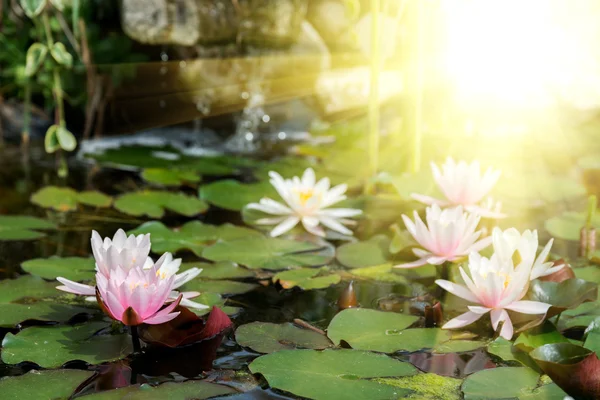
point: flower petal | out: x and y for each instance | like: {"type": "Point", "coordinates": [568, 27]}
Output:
{"type": "Point", "coordinates": [76, 288]}
{"type": "Point", "coordinates": [528, 307]}
{"type": "Point", "coordinates": [285, 226]}
{"type": "Point", "coordinates": [457, 290]}
{"type": "Point", "coordinates": [462, 320]}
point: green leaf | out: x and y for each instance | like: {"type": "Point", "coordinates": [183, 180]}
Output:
{"type": "Point", "coordinates": [94, 199]}
{"type": "Point", "coordinates": [64, 58]}
{"type": "Point", "coordinates": [564, 295]}
{"type": "Point", "coordinates": [12, 314]}
{"type": "Point", "coordinates": [568, 225]}
{"type": "Point", "coordinates": [306, 278]}
{"type": "Point", "coordinates": [193, 236]}
{"type": "Point", "coordinates": [364, 254]}
{"type": "Point", "coordinates": [170, 177]}
{"type": "Point", "coordinates": [580, 316]}
{"type": "Point", "coordinates": [51, 347]}
{"type": "Point", "coordinates": [382, 273]}
{"type": "Point", "coordinates": [26, 286]}
{"type": "Point", "coordinates": [427, 386]}
{"type": "Point", "coordinates": [502, 348]}
{"type": "Point", "coordinates": [59, 4]}
{"type": "Point", "coordinates": [73, 268]}
{"type": "Point", "coordinates": [51, 143]}
{"type": "Point", "coordinates": [458, 346]}
{"type": "Point", "coordinates": [20, 227]}
{"type": "Point", "coordinates": [332, 374]}
{"type": "Point", "coordinates": [66, 199]}
{"type": "Point", "coordinates": [269, 253]}
{"type": "Point", "coordinates": [365, 329]}
{"type": "Point", "coordinates": [66, 139]}
{"type": "Point", "coordinates": [192, 389]}
{"type": "Point", "coordinates": [539, 336]}
{"type": "Point", "coordinates": [43, 385]}
{"type": "Point", "coordinates": [36, 54]}
{"type": "Point", "coordinates": [154, 203]}
{"type": "Point", "coordinates": [265, 337]}
{"type": "Point", "coordinates": [33, 8]}
{"type": "Point", "coordinates": [492, 383]}
{"type": "Point", "coordinates": [233, 195]}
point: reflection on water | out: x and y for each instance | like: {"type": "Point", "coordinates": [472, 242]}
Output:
{"type": "Point", "coordinates": [453, 365]}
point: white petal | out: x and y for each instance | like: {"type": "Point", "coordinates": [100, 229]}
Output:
{"type": "Point", "coordinates": [479, 310]}
{"type": "Point", "coordinates": [76, 288]}
{"type": "Point", "coordinates": [529, 307]}
{"type": "Point", "coordinates": [341, 212]}
{"type": "Point", "coordinates": [285, 226]}
{"type": "Point", "coordinates": [308, 178]}
{"type": "Point", "coordinates": [462, 320]}
{"type": "Point", "coordinates": [421, 198]}
{"type": "Point", "coordinates": [335, 225]}
{"type": "Point", "coordinates": [457, 290]}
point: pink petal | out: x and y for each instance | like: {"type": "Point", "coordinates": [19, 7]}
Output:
{"type": "Point", "coordinates": [457, 290]}
{"type": "Point", "coordinates": [161, 319]}
{"type": "Point", "coordinates": [528, 307]}
{"type": "Point", "coordinates": [76, 288]}
{"type": "Point", "coordinates": [462, 320]}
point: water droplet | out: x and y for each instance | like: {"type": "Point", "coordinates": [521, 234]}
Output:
{"type": "Point", "coordinates": [266, 118]}
{"type": "Point", "coordinates": [281, 135]}
{"type": "Point", "coordinates": [249, 136]}
{"type": "Point", "coordinates": [182, 64]}
{"type": "Point", "coordinates": [245, 95]}
{"type": "Point", "coordinates": [163, 70]}
{"type": "Point", "coordinates": [164, 56]}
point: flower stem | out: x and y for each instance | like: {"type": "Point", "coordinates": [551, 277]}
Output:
{"type": "Point", "coordinates": [135, 339]}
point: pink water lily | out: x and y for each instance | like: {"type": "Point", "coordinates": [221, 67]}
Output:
{"type": "Point", "coordinates": [137, 295]}
{"type": "Point", "coordinates": [449, 235]}
{"type": "Point", "coordinates": [495, 286]}
{"type": "Point", "coordinates": [306, 201]}
{"type": "Point", "coordinates": [464, 185]}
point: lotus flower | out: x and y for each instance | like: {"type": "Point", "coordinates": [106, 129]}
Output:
{"type": "Point", "coordinates": [494, 285]}
{"type": "Point", "coordinates": [128, 253]}
{"type": "Point", "coordinates": [507, 244]}
{"type": "Point", "coordinates": [449, 235]}
{"type": "Point", "coordinates": [463, 185]}
{"type": "Point", "coordinates": [137, 295]}
{"type": "Point", "coordinates": [307, 201]}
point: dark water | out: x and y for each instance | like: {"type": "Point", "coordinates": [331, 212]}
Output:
{"type": "Point", "coordinates": [219, 361]}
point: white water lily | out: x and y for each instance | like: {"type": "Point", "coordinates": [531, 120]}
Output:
{"type": "Point", "coordinates": [463, 185]}
{"type": "Point", "coordinates": [495, 285]}
{"type": "Point", "coordinates": [510, 244]}
{"type": "Point", "coordinates": [306, 202]}
{"type": "Point", "coordinates": [126, 253]}
{"type": "Point", "coordinates": [449, 235]}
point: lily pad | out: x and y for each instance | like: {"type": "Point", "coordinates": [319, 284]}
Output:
{"type": "Point", "coordinates": [364, 254]}
{"type": "Point", "coordinates": [73, 268]}
{"type": "Point", "coordinates": [26, 286]}
{"type": "Point", "coordinates": [365, 329]}
{"type": "Point", "coordinates": [563, 295]}
{"type": "Point", "coordinates": [51, 347]}
{"type": "Point", "coordinates": [265, 337]}
{"type": "Point", "coordinates": [197, 390]}
{"type": "Point", "coordinates": [427, 386]}
{"type": "Point", "coordinates": [233, 195]}
{"type": "Point", "coordinates": [153, 204]}
{"type": "Point", "coordinates": [213, 299]}
{"type": "Point", "coordinates": [21, 227]}
{"type": "Point", "coordinates": [306, 278]}
{"type": "Point", "coordinates": [66, 199]}
{"type": "Point", "coordinates": [382, 273]}
{"type": "Point", "coordinates": [539, 336]}
{"type": "Point", "coordinates": [580, 316]}
{"type": "Point", "coordinates": [43, 385]}
{"type": "Point", "coordinates": [170, 177]}
{"type": "Point", "coordinates": [568, 225]}
{"type": "Point", "coordinates": [12, 314]}
{"type": "Point", "coordinates": [269, 253]}
{"type": "Point", "coordinates": [492, 383]}
{"type": "Point", "coordinates": [457, 346]}
{"type": "Point", "coordinates": [193, 236]}
{"type": "Point", "coordinates": [332, 374]}
{"type": "Point", "coordinates": [502, 348]}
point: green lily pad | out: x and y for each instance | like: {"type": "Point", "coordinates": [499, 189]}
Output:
{"type": "Point", "coordinates": [427, 386]}
{"type": "Point", "coordinates": [539, 336]}
{"type": "Point", "coordinates": [73, 268]}
{"type": "Point", "coordinates": [562, 295]}
{"type": "Point", "coordinates": [502, 348]}
{"type": "Point", "coordinates": [568, 225]}
{"type": "Point", "coordinates": [220, 270]}
{"type": "Point", "coordinates": [382, 273]}
{"type": "Point", "coordinates": [591, 273]}
{"type": "Point", "coordinates": [213, 299]}
{"type": "Point", "coordinates": [12, 314]}
{"type": "Point", "coordinates": [269, 253]}
{"type": "Point", "coordinates": [580, 316]}
{"type": "Point", "coordinates": [153, 204]}
{"type": "Point", "coordinates": [197, 390]}
{"type": "Point", "coordinates": [51, 347]}
{"type": "Point", "coordinates": [43, 385]}
{"type": "Point", "coordinates": [364, 254]}
{"type": "Point", "coordinates": [21, 227]}
{"type": "Point", "coordinates": [233, 195]}
{"type": "Point", "coordinates": [332, 374]}
{"type": "Point", "coordinates": [193, 236]}
{"type": "Point", "coordinates": [458, 346]}
{"type": "Point", "coordinates": [365, 329]}
{"type": "Point", "coordinates": [265, 337]}
{"type": "Point", "coordinates": [306, 278]}
{"type": "Point", "coordinates": [66, 199]}
{"type": "Point", "coordinates": [218, 286]}
{"type": "Point", "coordinates": [26, 286]}
{"type": "Point", "coordinates": [170, 177]}
{"type": "Point", "coordinates": [492, 383]}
